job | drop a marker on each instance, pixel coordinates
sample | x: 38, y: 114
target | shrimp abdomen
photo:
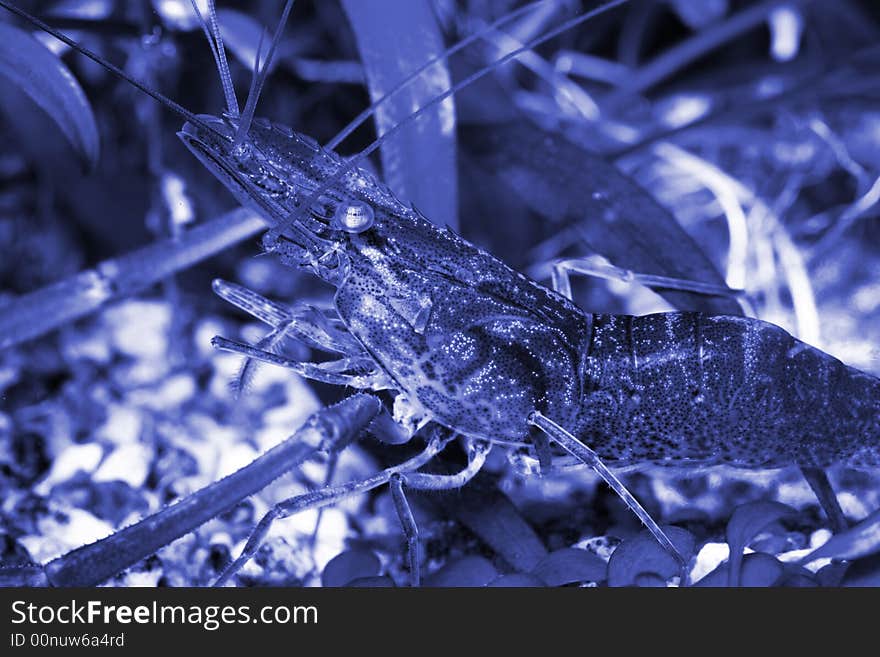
x: 679, y: 388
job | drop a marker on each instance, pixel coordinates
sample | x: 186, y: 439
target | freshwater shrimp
x: 481, y: 349
x: 476, y: 347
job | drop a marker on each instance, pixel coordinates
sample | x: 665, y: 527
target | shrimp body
x: 477, y: 346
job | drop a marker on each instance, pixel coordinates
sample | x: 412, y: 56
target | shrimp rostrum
x: 468, y: 343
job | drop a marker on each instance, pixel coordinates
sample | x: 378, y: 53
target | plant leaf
x: 53, y: 306
x: 516, y: 580
x: 757, y: 570
x: 650, y: 581
x: 467, y: 571
x: 859, y: 541
x: 395, y: 38
x: 833, y: 574
x: 697, y: 14
x: 760, y: 570
x: 642, y: 555
x: 31, y: 67
x: 795, y: 577
x: 746, y: 522
x: 179, y: 14
x: 489, y: 514
x: 570, y: 565
x: 93, y: 10
x: 350, y: 565
x: 864, y: 572
x: 614, y: 216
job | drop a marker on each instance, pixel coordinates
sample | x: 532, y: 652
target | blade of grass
x: 51, y: 307
x: 330, y: 428
x: 613, y: 216
x: 395, y: 37
x: 34, y: 69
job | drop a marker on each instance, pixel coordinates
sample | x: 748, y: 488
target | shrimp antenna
x: 261, y: 72
x: 215, y: 41
x: 464, y: 43
x: 167, y: 102
x: 296, y: 215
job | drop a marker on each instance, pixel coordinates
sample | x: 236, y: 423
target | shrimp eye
x: 354, y: 216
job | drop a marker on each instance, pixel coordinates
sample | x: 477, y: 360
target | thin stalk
x: 329, y: 429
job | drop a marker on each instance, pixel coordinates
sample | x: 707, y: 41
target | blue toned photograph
x: 439, y: 293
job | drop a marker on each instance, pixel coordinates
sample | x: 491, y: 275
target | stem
x: 329, y: 429
x: 53, y: 306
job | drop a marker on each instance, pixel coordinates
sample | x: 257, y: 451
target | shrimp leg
x: 599, y: 267
x: 587, y: 456
x: 303, y: 322
x: 818, y: 481
x: 330, y: 372
x: 327, y: 496
x: 410, y: 528
x: 477, y: 452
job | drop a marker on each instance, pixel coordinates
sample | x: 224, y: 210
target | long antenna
x: 261, y: 72
x: 488, y: 29
x: 215, y: 41
x: 296, y: 215
x: 170, y: 104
